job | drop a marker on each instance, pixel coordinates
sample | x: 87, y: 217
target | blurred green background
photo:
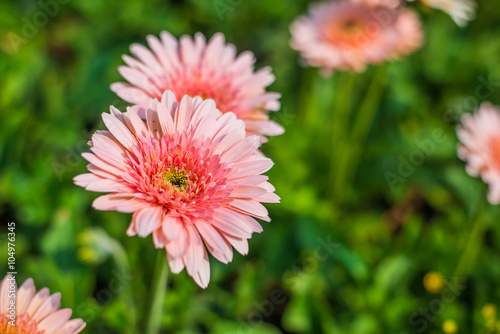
x: 420, y: 256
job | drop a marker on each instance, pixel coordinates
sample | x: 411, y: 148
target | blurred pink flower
x: 348, y: 35
x: 461, y: 11
x: 480, y: 147
x: 375, y: 3
x: 196, y: 68
x: 188, y: 173
x: 33, y: 313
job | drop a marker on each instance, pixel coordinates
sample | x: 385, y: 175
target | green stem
x: 342, y: 107
x: 308, y: 102
x: 340, y: 119
x: 473, y: 245
x: 349, y: 160
x: 158, y: 295
x: 121, y: 259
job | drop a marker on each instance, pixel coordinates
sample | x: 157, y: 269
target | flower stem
x: 473, y: 245
x: 349, y: 160
x: 340, y: 121
x: 158, y: 294
x: 308, y: 102
x: 122, y: 262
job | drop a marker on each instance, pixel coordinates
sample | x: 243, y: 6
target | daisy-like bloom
x: 189, y: 174
x: 461, y: 11
x: 375, y: 3
x: 195, y: 67
x: 480, y: 147
x: 348, y: 35
x: 27, y: 311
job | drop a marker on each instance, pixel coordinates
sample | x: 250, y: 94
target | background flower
x: 461, y: 11
x: 193, y: 67
x: 35, y: 312
x: 480, y: 147
x: 188, y: 172
x: 319, y: 267
x: 347, y: 35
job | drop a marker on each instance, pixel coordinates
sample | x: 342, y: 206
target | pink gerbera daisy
x: 348, y: 35
x: 27, y: 311
x: 189, y: 173
x: 376, y: 3
x: 480, y: 147
x: 196, y: 68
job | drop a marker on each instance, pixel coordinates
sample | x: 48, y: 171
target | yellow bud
x: 433, y: 282
x: 489, y: 310
x: 450, y: 327
x: 87, y: 255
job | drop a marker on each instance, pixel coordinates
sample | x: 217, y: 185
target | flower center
x: 176, y: 178
x: 350, y: 26
x: 177, y: 172
x: 353, y: 31
x: 495, y: 152
x: 23, y: 325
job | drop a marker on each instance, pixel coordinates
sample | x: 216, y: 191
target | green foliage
x: 348, y: 262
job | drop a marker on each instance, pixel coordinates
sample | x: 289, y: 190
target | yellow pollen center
x: 175, y: 178
x: 350, y: 32
x: 350, y: 25
x: 23, y: 325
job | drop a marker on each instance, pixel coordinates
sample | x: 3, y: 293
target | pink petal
x: 49, y: 306
x: 250, y: 207
x: 72, y: 327
x: 215, y: 242
x: 4, y: 293
x: 129, y: 93
x: 183, y: 114
x: 242, y: 149
x: 202, y: 276
x: 195, y: 252
x: 178, y: 247
x: 104, y: 186
x: 119, y: 130
x: 240, y: 244
x: 176, y: 264
x: 172, y: 227
x: 109, y: 202
x: 136, y: 124
x: 147, y: 220
x: 55, y: 321
x: 254, y: 167
x: 248, y: 192
x: 230, y: 223
x: 105, y: 165
x: 83, y: 180
x: 158, y: 239
x: 37, y: 301
x: 24, y: 295
x: 132, y: 205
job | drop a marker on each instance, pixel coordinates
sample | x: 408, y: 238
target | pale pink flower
x: 461, y: 11
x: 189, y: 173
x: 33, y: 312
x: 195, y: 67
x: 347, y: 35
x: 377, y: 3
x: 480, y: 147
